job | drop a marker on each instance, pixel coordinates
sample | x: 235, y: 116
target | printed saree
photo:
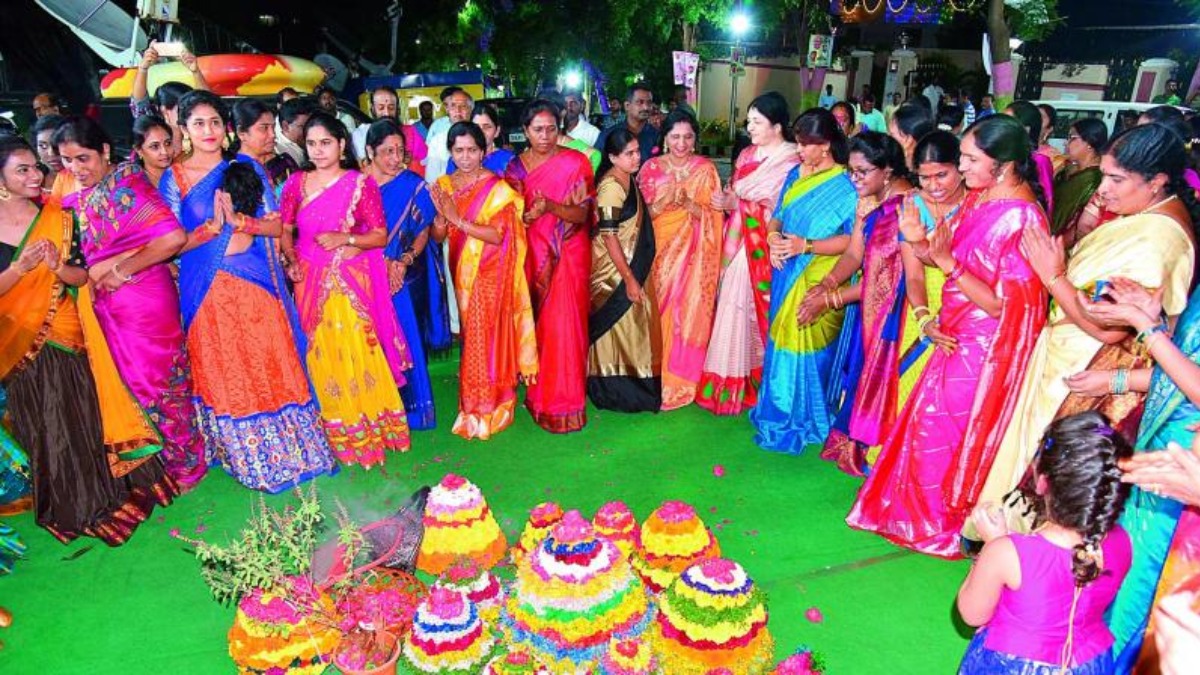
x: 254, y: 403
x: 934, y: 460
x: 733, y: 362
x: 356, y: 354
x: 557, y: 268
x: 686, y: 270
x: 140, y: 320
x: 793, y: 408
x: 499, y: 339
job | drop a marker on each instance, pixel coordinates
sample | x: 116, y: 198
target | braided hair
x: 1078, y: 459
x: 1006, y: 139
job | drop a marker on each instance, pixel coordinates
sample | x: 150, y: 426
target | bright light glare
x: 573, y: 79
x: 739, y: 23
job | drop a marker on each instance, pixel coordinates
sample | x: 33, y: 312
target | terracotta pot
x: 388, y: 668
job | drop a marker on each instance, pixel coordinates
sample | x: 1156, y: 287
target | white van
x: 1115, y: 114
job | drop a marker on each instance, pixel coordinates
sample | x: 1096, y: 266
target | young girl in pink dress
x: 1040, y: 598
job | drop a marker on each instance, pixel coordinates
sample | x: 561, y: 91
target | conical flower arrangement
x: 459, y: 524
x: 671, y: 539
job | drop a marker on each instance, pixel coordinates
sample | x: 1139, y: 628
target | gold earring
x: 5, y: 195
x: 187, y: 144
x: 225, y: 143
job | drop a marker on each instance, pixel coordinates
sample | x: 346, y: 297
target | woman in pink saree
x: 937, y: 456
x: 557, y: 186
x: 356, y: 353
x: 128, y: 234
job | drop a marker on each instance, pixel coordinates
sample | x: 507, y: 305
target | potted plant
x: 367, y: 651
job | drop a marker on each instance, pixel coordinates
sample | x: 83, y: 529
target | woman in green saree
x: 1074, y: 187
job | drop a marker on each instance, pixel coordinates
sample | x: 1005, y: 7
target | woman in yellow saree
x: 92, y: 452
x: 1078, y: 364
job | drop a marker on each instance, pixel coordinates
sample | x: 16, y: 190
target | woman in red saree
x: 481, y: 215
x: 734, y: 362
x: 678, y: 186
x: 557, y: 186
x: 91, y: 449
x: 937, y: 456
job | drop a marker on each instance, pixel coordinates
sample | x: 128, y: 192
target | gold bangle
x: 1150, y: 341
x: 838, y: 301
x: 922, y: 308
x: 1055, y: 279
x: 808, y: 246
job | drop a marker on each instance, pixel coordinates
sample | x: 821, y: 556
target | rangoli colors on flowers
x: 542, y: 519
x: 518, y: 661
x: 713, y: 617
x: 269, y: 635
x: 479, y: 585
x: 672, y: 538
x: 629, y: 657
x: 448, y: 635
x: 458, y: 523
x: 615, y: 521
x: 573, y: 595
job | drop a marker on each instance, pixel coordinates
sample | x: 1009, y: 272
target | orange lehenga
x: 499, y: 342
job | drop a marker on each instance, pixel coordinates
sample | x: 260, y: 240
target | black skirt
x: 56, y: 419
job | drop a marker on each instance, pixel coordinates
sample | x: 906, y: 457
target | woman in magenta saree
x: 128, y: 234
x: 936, y: 458
x: 356, y: 353
x: 557, y: 186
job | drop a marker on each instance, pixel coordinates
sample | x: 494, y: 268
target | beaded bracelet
x: 1160, y: 327
x: 1119, y: 382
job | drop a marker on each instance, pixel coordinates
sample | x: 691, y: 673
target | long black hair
x: 937, y: 147
x: 614, y: 144
x: 881, y: 151
x: 335, y: 128
x: 1078, y: 459
x: 1152, y: 149
x: 773, y: 106
x: 1030, y: 117
x: 168, y: 94
x: 245, y: 188
x: 1005, y: 139
x: 817, y: 126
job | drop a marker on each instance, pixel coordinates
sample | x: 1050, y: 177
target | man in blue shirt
x: 827, y: 99
x: 639, y: 103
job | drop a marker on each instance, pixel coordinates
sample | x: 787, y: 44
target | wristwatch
x: 351, y: 240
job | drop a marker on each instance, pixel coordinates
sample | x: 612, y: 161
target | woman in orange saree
x: 92, y: 452
x: 481, y: 215
x: 678, y: 186
x: 557, y: 186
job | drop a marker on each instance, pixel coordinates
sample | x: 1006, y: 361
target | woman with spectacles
x: 1077, y: 183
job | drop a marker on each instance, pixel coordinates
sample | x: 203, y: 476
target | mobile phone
x: 171, y: 49
x: 1101, y: 290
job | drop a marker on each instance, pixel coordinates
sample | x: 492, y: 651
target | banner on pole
x: 687, y: 68
x: 820, y: 51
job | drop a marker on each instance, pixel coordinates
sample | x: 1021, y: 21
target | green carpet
x: 142, y: 608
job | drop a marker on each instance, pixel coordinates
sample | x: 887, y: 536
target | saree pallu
x: 1166, y: 536
x: 1071, y: 196
x: 557, y: 268
x: 1152, y: 250
x: 793, y: 408
x: 252, y: 397
x: 409, y: 211
x: 356, y: 353
x: 140, y: 320
x: 733, y: 363
x: 1048, y: 161
x: 868, y: 403
x: 14, y: 491
x: 55, y: 409
x: 499, y: 338
x: 685, y: 273
x: 624, y: 358
x: 936, y: 457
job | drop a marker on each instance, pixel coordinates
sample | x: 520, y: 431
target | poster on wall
x: 687, y: 68
x: 820, y: 51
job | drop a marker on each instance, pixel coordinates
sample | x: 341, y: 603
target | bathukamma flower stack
x: 671, y: 539
x: 518, y: 661
x: 269, y: 634
x: 479, y: 585
x: 542, y: 519
x: 573, y: 595
x: 629, y: 657
x: 713, y: 617
x: 615, y: 521
x: 448, y: 635
x: 458, y: 523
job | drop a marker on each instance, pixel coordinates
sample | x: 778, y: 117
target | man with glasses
x: 458, y: 105
x: 639, y: 105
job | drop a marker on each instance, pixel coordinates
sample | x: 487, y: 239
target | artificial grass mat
x: 143, y: 609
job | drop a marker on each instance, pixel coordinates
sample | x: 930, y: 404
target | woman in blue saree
x: 1156, y: 524
x: 409, y: 211
x: 808, y: 231
x: 254, y: 402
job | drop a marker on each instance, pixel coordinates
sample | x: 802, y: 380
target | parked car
x: 1116, y: 115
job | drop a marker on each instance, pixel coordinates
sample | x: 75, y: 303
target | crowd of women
x: 918, y: 306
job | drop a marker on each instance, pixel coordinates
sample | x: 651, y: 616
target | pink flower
x: 174, y: 532
x: 453, y: 481
x: 814, y: 615
x: 718, y: 471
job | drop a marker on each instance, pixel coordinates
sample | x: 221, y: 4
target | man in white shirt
x: 458, y: 106
x: 577, y: 125
x: 934, y: 93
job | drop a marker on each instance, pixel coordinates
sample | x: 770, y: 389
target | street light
x: 739, y: 25
x: 573, y: 79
